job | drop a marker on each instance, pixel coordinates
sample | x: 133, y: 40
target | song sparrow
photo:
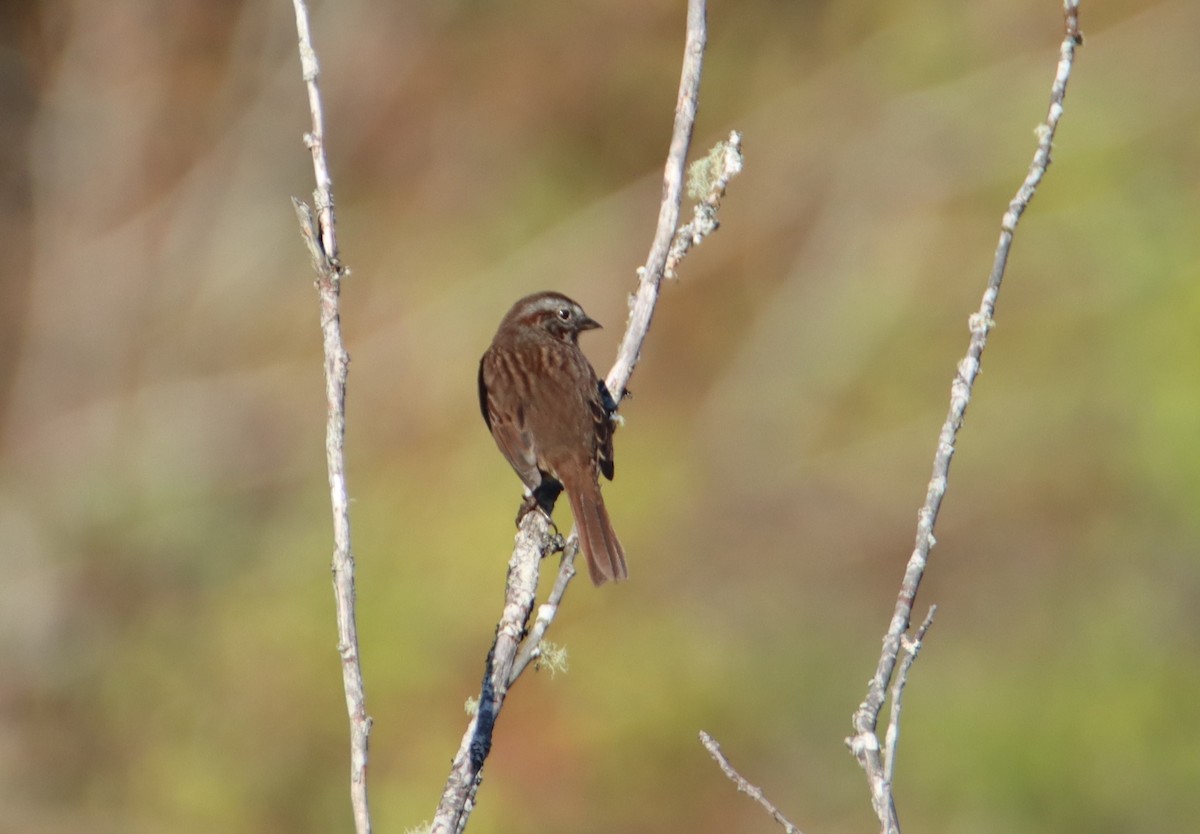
x: 552, y: 419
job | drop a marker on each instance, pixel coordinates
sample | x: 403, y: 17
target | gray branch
x: 753, y: 791
x: 319, y: 233
x: 864, y: 744
x: 650, y: 276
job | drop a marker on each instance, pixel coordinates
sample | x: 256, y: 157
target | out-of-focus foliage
x: 168, y: 658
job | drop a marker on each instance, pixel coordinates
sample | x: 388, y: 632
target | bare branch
x: 744, y: 786
x: 911, y: 649
x: 864, y: 744
x: 323, y: 195
x: 321, y: 238
x: 651, y: 275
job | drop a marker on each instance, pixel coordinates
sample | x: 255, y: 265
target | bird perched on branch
x: 553, y: 419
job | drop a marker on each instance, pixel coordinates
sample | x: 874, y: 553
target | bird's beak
x: 588, y: 323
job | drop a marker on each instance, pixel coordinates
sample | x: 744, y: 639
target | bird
x: 553, y: 419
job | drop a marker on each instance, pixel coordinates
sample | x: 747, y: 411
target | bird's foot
x: 542, y: 500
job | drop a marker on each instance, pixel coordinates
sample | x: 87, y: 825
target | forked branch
x: 876, y: 759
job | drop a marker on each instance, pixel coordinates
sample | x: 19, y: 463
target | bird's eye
x: 564, y: 313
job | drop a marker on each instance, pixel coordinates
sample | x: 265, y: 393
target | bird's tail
x: 603, y: 551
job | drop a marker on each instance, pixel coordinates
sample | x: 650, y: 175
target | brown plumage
x: 552, y: 419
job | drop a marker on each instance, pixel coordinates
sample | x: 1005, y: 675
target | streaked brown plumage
x: 552, y: 419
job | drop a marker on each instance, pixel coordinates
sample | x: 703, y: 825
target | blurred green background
x: 168, y: 656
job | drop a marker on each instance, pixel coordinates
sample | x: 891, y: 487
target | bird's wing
x: 511, y: 432
x: 604, y: 408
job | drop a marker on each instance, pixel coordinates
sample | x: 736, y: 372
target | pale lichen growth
x: 703, y: 174
x: 553, y: 657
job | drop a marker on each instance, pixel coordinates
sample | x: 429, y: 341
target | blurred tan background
x: 167, y: 660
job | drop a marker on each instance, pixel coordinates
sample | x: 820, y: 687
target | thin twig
x: 864, y: 744
x: 321, y: 238
x: 892, y: 737
x: 531, y: 649
x: 651, y: 275
x: 505, y: 663
x: 744, y: 786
